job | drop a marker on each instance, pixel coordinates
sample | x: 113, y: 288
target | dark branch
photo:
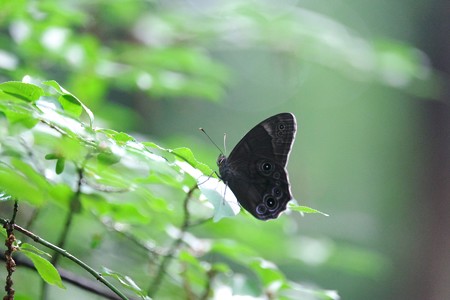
x: 74, y: 204
x: 74, y: 207
x: 208, y: 287
x: 10, y: 249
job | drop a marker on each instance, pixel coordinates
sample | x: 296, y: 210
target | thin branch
x: 74, y: 206
x: 186, y: 285
x: 92, y: 286
x: 153, y: 289
x: 66, y: 254
x: 15, y: 209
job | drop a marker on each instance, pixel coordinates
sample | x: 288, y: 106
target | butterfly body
x: 255, y: 170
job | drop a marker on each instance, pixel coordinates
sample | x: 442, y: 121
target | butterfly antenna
x: 224, y: 142
x: 203, y: 130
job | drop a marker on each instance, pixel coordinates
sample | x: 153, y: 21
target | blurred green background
x: 367, y: 81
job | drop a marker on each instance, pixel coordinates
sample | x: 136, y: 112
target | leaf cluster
x: 52, y: 155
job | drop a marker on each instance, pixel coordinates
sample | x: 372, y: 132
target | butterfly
x: 255, y: 170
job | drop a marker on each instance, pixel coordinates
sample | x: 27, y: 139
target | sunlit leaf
x: 120, y: 137
x: 184, y: 154
x: 271, y: 277
x: 19, y: 187
x: 305, y: 209
x: 108, y: 158
x: 126, y: 282
x: 17, y: 110
x: 298, y: 291
x: 221, y: 197
x: 70, y: 103
x: 187, y: 155
x: 25, y: 91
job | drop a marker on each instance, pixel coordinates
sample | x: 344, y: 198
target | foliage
x: 50, y: 156
x: 131, y: 53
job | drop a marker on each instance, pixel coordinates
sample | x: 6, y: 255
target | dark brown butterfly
x: 256, y: 171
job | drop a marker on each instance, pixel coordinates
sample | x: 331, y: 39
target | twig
x: 153, y: 289
x: 66, y: 254
x: 74, y: 206
x: 86, y: 284
x: 15, y: 209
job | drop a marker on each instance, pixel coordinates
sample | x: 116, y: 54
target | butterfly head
x: 221, y: 160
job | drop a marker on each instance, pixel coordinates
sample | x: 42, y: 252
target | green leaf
x: 70, y: 103
x: 25, y: 91
x: 126, y: 281
x: 60, y: 163
x: 31, y: 174
x: 120, y: 212
x: 120, y: 137
x: 306, y: 209
x: 19, y: 187
x: 31, y: 248
x: 3, y: 232
x: 51, y: 156
x: 221, y: 268
x: 60, y: 194
x: 18, y: 111
x: 108, y: 158
x: 187, y: 155
x: 269, y: 274
x: 298, y: 291
x: 45, y: 269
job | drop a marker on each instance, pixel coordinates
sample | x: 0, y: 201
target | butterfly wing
x: 256, y: 169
